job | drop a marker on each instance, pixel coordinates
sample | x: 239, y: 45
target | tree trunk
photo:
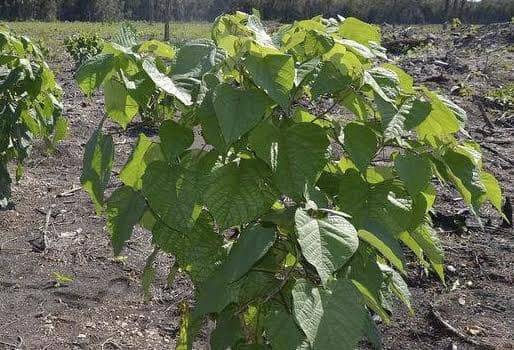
x: 167, y: 21
x: 446, y: 15
x: 462, y: 8
x: 455, y: 7
x: 167, y: 30
x: 151, y: 8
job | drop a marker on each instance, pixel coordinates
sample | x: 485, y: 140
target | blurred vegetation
x: 378, y: 11
x: 52, y: 35
x: 82, y: 47
x: 503, y: 95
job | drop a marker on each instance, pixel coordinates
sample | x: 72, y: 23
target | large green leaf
x: 140, y: 88
x: 406, y: 81
x: 256, y: 284
x: 250, y: 247
x: 222, y: 288
x: 368, y: 278
x: 415, y: 171
x: 418, y: 113
x: 238, y: 111
x: 327, y: 243
x: 459, y: 113
x: 97, y: 166
x: 228, y: 30
x: 373, y: 334
x: 163, y: 82
x: 422, y: 203
x: 196, y: 58
x: 380, y: 238
x: 93, y: 72
x: 355, y: 103
x: 198, y: 253
x: 306, y: 71
x: 362, y: 51
x: 135, y: 167
x: 353, y: 192
x: 359, y: 31
x: 211, y: 130
x: 372, y: 87
x: 119, y: 105
x: 331, y: 318
x: 361, y: 143
x: 296, y: 153
x: 429, y: 242
x: 273, y: 72
x: 493, y: 190
x: 398, y: 286
x: 314, y: 45
x: 239, y: 193
x: 393, y: 118
x: 158, y: 48
x: 330, y: 80
x: 175, y: 139
x: 255, y: 25
x: 382, y: 220
x: 174, y: 193
x: 465, y: 175
x: 384, y: 82
x: 439, y: 123
x: 126, y: 36
x: 347, y: 63
x: 281, y: 329
x: 124, y: 209
x: 228, y: 332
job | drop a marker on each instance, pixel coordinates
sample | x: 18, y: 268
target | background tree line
x: 378, y: 11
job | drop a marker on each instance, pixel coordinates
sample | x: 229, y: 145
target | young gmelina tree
x: 291, y: 221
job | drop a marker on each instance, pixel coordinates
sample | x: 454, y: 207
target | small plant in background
x: 30, y: 105
x: 120, y: 259
x: 82, y: 47
x: 462, y: 89
x: 503, y: 96
x: 420, y: 50
x: 142, y: 97
x: 45, y: 51
x: 456, y: 23
x: 62, y: 279
x: 157, y: 107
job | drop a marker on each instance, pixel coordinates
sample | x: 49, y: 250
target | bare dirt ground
x: 103, y: 308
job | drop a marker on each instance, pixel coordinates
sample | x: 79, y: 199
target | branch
x: 457, y: 332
